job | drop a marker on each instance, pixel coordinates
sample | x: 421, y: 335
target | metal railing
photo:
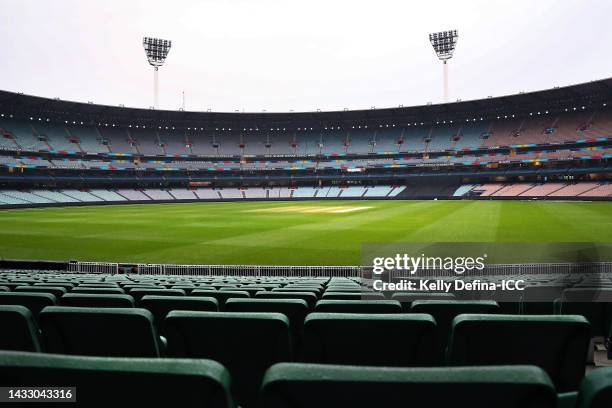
x: 332, y: 271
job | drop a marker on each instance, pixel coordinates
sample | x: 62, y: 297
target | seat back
x: 138, y: 293
x: 295, y: 310
x: 406, y: 299
x: 134, y: 382
x: 330, y: 386
x: 98, y: 290
x: 444, y: 311
x: 596, y: 389
x: 221, y: 296
x: 403, y: 340
x: 96, y: 300
x: 358, y: 306
x: 110, y: 332
x: 160, y: 306
x: 19, y: 331
x: 246, y: 343
x: 54, y: 290
x: 557, y: 344
x: 309, y: 297
x: 33, y: 301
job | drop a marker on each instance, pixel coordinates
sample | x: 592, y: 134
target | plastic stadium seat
x: 103, y: 382
x: 309, y: 297
x: 139, y: 293
x: 160, y: 306
x: 358, y: 306
x: 186, y: 288
x: 444, y: 311
x: 557, y: 344
x: 65, y: 285
x: 54, y: 290
x: 406, y: 299
x: 250, y: 290
x: 96, y: 300
x: 98, y: 290
x: 33, y: 301
x: 596, y: 389
x: 295, y: 310
x: 293, y: 385
x: 18, y: 328
x: 536, y: 299
x: 404, y: 340
x: 221, y: 296
x: 316, y: 290
x: 246, y: 343
x: 344, y: 295
x: 109, y: 332
x: 594, y: 304
x: 4, y: 289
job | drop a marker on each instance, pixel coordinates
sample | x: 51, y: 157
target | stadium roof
x: 588, y: 95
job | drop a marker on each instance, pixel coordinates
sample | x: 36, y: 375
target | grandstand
x: 551, y: 144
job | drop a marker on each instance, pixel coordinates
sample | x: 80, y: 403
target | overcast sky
x: 282, y: 55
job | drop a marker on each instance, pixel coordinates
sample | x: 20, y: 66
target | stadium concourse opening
x: 152, y: 257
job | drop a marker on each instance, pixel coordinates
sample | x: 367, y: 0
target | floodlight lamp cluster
x: 444, y: 43
x: 156, y: 50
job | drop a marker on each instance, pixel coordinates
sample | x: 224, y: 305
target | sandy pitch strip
x: 302, y: 209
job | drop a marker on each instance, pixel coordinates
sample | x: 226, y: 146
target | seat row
x: 247, y: 343
x: 103, y: 381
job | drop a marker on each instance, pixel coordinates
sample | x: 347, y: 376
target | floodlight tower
x: 157, y: 51
x: 444, y: 44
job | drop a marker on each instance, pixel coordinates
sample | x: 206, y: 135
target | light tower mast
x: 444, y: 44
x: 157, y: 51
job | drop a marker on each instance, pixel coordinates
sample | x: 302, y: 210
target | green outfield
x: 286, y: 233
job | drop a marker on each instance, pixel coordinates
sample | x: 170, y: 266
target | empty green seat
x: 342, y: 295
x: 358, y: 306
x: 309, y: 297
x: 594, y: 304
x: 295, y: 310
x: 96, y: 300
x: 246, y: 343
x: 444, y: 311
x: 557, y: 344
x: 19, y: 331
x: 65, y: 285
x: 250, y: 290
x: 406, y: 299
x: 596, y: 389
x: 33, y: 301
x: 160, y: 306
x: 109, y: 332
x: 98, y: 290
x: 139, y: 293
x: 402, y: 340
x: 293, y: 385
x: 103, y: 382
x: 54, y: 290
x: 316, y: 290
x: 221, y: 296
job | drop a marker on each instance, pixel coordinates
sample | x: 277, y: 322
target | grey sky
x: 280, y: 55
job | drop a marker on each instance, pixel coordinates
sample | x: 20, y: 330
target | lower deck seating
x: 265, y: 320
